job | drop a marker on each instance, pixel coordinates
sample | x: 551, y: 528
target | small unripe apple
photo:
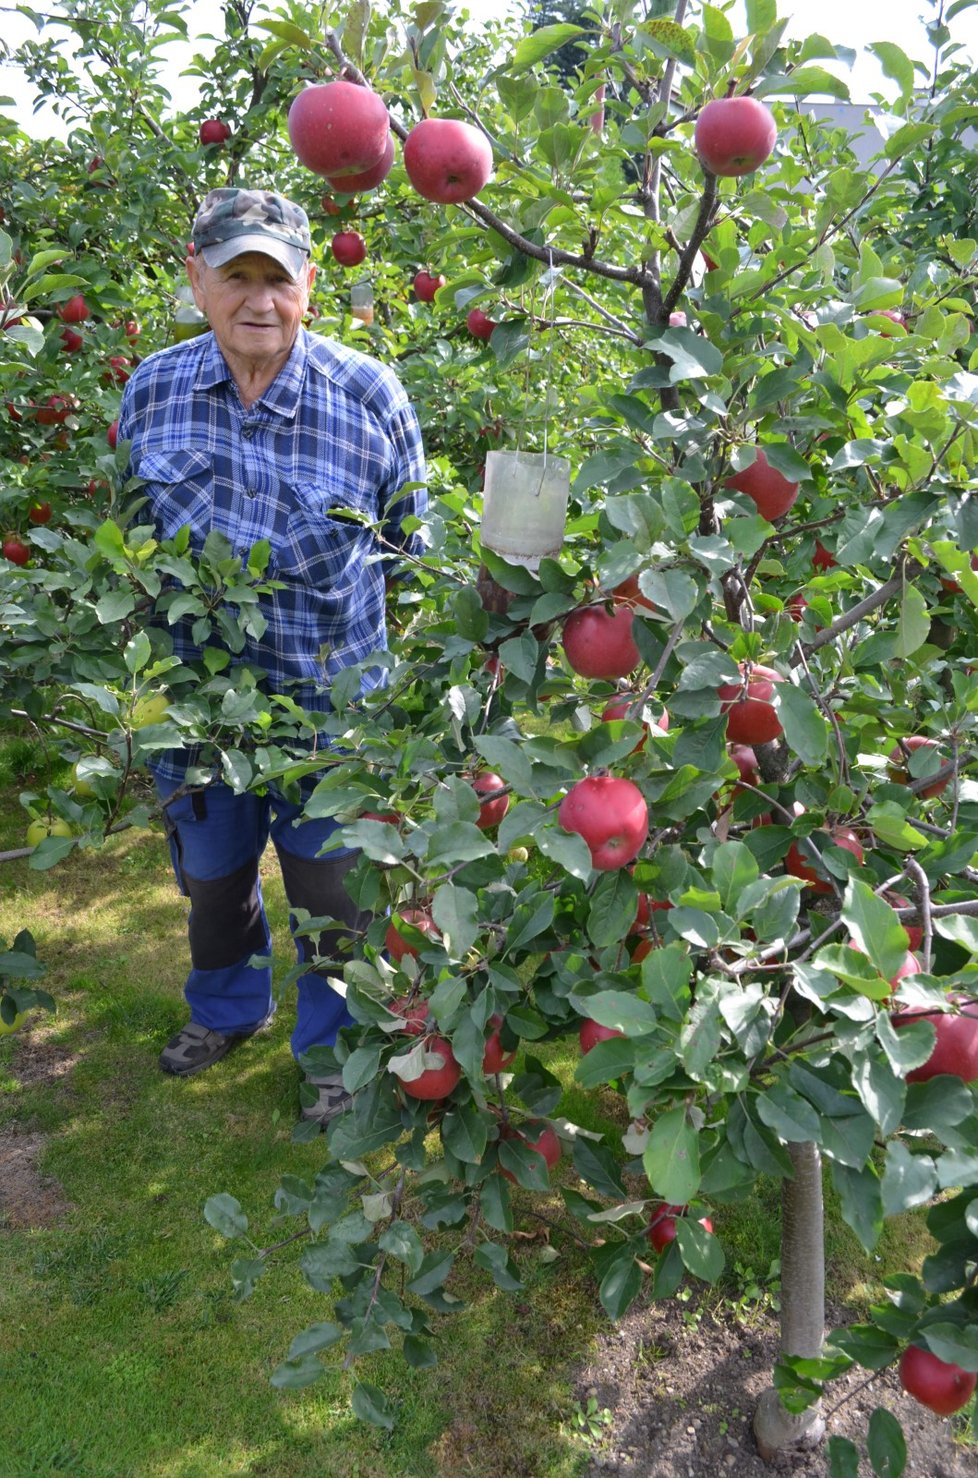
x: 47, y: 826
x: 151, y: 708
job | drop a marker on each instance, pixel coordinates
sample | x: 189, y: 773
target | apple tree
x: 747, y: 889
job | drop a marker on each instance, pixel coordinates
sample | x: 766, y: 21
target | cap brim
x: 292, y: 258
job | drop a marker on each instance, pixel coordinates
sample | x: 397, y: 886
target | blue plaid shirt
x: 335, y: 430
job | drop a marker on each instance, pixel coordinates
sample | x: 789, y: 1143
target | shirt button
x: 248, y: 431
x: 251, y: 492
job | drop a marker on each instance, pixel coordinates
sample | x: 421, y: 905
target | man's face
x: 254, y: 307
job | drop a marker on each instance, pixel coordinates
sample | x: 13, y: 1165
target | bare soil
x: 681, y: 1392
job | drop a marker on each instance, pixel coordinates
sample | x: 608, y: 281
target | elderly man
x: 260, y: 430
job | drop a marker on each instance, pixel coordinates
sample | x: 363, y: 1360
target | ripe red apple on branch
x: 214, y: 131
x: 751, y: 715
x: 956, y: 1045
x: 491, y: 812
x: 338, y: 129
x: 367, y: 179
x: 539, y: 1137
x: 591, y: 1033
x: 734, y: 136
x: 75, y: 310
x: 395, y: 943
x: 898, y: 771
x: 446, y: 160
x: 438, y: 1081
x: 496, y: 1059
x: 611, y: 815
x: 662, y: 1228
x: 426, y: 284
x: 15, y: 550
x: 800, y: 864
x: 598, y: 642
x: 349, y: 248
x: 935, y: 1383
x: 478, y: 324
x: 769, y: 489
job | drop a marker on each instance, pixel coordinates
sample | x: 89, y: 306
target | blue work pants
x: 216, y: 839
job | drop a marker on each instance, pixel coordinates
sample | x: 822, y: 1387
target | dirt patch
x: 681, y: 1398
x: 27, y: 1198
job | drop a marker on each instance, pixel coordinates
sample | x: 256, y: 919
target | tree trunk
x: 802, y: 1302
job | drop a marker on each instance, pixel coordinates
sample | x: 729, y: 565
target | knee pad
x: 226, y: 923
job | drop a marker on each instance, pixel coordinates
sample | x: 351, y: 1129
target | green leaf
x: 734, y: 867
x: 908, y: 1179
x: 597, y: 1166
x: 372, y: 1406
x: 861, y: 1201
x: 316, y: 1337
x: 620, y: 1009
x: 913, y: 623
x: 700, y: 1250
x: 886, y: 1444
x: 543, y: 43
x: 889, y: 821
x: 803, y: 82
x: 433, y: 1273
x: 805, y: 726
x: 895, y: 64
x: 620, y: 1285
x: 402, y: 1241
x: 761, y: 16
x: 614, y: 898
x: 455, y: 911
x: 790, y: 1116
x: 874, y: 927
x: 292, y: 1375
x: 843, y: 1458
x: 465, y: 1133
x: 418, y: 1353
x: 955, y: 1344
x: 671, y: 1157
x: 497, y: 1261
x: 225, y: 1215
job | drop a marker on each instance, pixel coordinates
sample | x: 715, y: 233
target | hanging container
x: 362, y: 302
x: 188, y: 321
x: 525, y: 506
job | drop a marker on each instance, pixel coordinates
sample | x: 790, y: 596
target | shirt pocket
x: 326, y: 538
x: 180, y: 487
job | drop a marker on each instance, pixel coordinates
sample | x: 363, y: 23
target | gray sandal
x: 196, y: 1047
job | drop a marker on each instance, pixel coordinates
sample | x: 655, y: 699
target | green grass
x: 122, y: 1351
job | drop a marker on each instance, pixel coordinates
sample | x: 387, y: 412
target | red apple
x: 942, y: 1387
x: 894, y: 317
x: 591, y: 1033
x: 956, y: 1046
x: 39, y: 513
x: 796, y: 606
x: 598, y: 642
x: 118, y: 369
x: 751, y: 716
x: 662, y: 1227
x: 74, y: 311
x: 800, y: 864
x: 15, y: 550
x: 55, y: 410
x: 367, y: 179
x: 733, y: 136
x: 71, y: 340
x: 619, y: 708
x: 898, y: 772
x: 131, y: 330
x: 822, y: 559
x: 435, y: 1082
x: 766, y: 486
x: 214, y: 131
x: 414, y: 1012
x: 478, y: 325
x: 338, y: 128
x: 628, y: 593
x: 495, y: 1058
x: 952, y: 585
x: 426, y: 285
x: 914, y: 932
x: 491, y: 812
x: 746, y: 761
x: 396, y: 945
x: 539, y: 1137
x: 447, y: 160
x: 349, y: 248
x: 611, y: 815
x: 112, y: 434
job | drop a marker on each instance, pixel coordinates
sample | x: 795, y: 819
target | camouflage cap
x: 232, y: 222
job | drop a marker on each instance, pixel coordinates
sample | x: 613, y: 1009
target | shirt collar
x: 282, y: 395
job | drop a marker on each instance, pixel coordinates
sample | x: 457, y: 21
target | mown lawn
x: 122, y: 1351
